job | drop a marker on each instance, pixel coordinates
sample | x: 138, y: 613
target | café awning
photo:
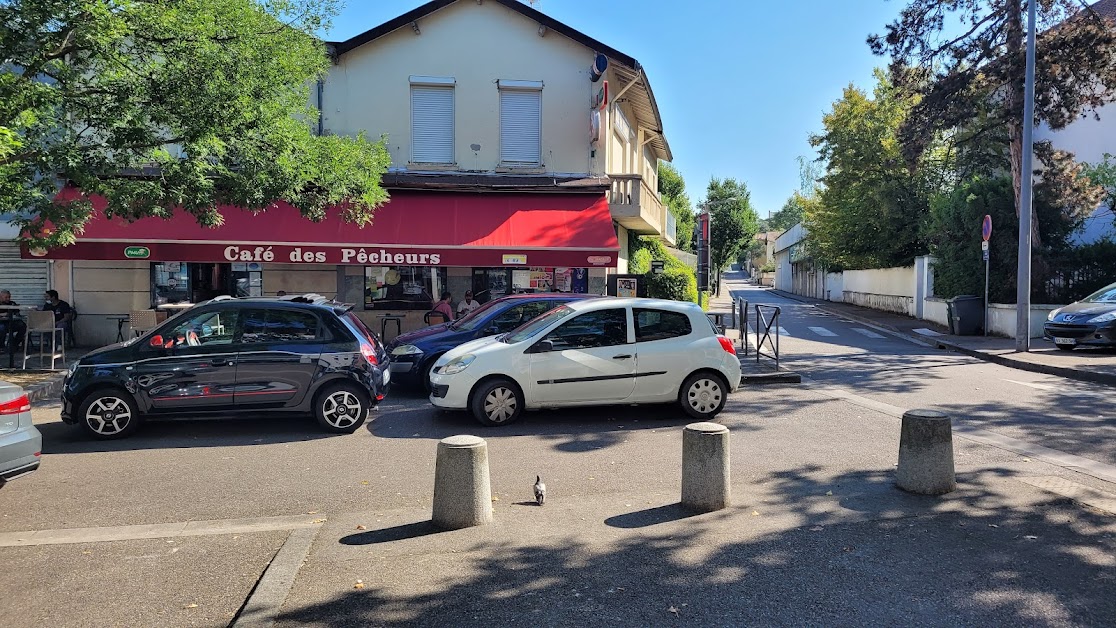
x: 415, y: 228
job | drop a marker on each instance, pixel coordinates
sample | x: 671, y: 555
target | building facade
x: 524, y: 156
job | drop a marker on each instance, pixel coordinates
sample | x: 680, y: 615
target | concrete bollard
x: 705, y: 467
x: 926, y: 453
x: 462, y: 493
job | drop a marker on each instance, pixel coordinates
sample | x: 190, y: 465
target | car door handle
x: 623, y: 356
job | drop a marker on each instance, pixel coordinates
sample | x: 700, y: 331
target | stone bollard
x: 705, y: 467
x: 462, y: 493
x: 926, y: 453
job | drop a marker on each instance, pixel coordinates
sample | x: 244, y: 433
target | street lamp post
x: 1023, y: 276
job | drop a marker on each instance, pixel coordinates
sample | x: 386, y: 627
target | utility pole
x: 1026, y: 192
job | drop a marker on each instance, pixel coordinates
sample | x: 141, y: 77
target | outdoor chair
x: 433, y: 317
x: 142, y: 321
x: 41, y: 325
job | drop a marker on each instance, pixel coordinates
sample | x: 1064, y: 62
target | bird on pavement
x: 540, y: 490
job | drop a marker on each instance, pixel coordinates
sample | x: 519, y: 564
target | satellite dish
x: 600, y: 64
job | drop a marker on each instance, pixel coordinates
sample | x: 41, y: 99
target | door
x: 279, y: 351
x: 592, y: 360
x: 196, y: 368
x: 663, y: 338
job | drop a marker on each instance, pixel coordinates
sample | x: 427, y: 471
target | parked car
x: 1090, y: 321
x: 592, y: 352
x: 297, y: 354
x: 21, y: 444
x: 413, y: 354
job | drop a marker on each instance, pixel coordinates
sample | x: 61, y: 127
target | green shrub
x: 677, y: 282
x: 640, y: 262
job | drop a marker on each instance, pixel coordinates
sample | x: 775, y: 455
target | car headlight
x: 1053, y: 314
x: 406, y: 350
x: 458, y: 364
x: 1104, y: 318
x: 73, y: 369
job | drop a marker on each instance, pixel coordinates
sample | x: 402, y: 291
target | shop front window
x: 181, y: 282
x: 170, y: 282
x: 403, y: 287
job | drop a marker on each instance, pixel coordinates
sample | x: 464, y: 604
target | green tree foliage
x: 734, y: 221
x: 871, y: 210
x: 673, y: 190
x: 1102, y: 174
x: 677, y: 282
x: 974, y: 81
x: 157, y: 105
x: 790, y: 214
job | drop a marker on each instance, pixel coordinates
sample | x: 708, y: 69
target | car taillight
x: 15, y: 406
x: 726, y: 344
x: 369, y: 353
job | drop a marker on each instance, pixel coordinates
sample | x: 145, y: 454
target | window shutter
x: 431, y: 124
x: 520, y: 127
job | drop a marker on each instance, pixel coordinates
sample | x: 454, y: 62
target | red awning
x: 413, y: 229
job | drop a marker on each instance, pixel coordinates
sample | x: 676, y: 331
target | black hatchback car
x: 413, y: 354
x: 1090, y: 321
x: 299, y: 354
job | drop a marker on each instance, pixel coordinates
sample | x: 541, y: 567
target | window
x: 279, y: 325
x: 170, y: 282
x: 517, y: 315
x: 403, y: 287
x: 432, y: 120
x: 520, y: 123
x: 206, y: 329
x: 603, y: 328
x: 660, y: 324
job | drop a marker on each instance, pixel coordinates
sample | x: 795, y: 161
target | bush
x: 677, y: 282
x: 640, y: 262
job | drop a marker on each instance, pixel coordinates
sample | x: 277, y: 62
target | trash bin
x: 966, y: 315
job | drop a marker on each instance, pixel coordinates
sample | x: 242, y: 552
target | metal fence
x: 767, y: 318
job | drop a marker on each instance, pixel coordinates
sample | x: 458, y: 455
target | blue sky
x: 741, y: 84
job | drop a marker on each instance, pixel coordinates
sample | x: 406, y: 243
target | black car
x: 299, y: 354
x: 1090, y: 321
x: 413, y: 354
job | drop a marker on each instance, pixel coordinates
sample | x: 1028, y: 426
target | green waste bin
x: 966, y: 315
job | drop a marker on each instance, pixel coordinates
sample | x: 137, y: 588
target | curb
x: 46, y: 390
x: 1045, y: 369
x: 761, y: 379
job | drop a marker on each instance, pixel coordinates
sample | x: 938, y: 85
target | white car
x: 592, y: 352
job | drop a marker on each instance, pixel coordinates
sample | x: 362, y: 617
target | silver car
x: 21, y: 445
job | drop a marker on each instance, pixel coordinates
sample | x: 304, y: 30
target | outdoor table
x: 10, y: 311
x: 120, y: 320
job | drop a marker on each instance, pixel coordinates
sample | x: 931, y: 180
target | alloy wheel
x: 705, y: 395
x: 108, y: 416
x: 500, y: 404
x: 341, y: 409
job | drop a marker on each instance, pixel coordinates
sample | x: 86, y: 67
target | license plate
x: 1065, y: 341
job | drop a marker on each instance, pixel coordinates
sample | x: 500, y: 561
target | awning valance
x: 413, y: 229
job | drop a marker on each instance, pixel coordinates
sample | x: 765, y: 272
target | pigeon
x: 540, y: 490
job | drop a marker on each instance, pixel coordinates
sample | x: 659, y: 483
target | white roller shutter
x: 431, y: 124
x: 26, y: 279
x: 520, y: 127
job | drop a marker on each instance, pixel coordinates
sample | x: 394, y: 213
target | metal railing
x: 766, y: 324
x: 740, y: 321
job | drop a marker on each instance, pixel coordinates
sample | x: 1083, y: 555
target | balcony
x: 638, y: 209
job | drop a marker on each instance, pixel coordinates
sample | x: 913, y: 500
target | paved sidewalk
x: 1096, y: 365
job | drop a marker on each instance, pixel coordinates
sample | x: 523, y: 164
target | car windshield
x: 535, y: 325
x: 475, y: 319
x: 1106, y: 294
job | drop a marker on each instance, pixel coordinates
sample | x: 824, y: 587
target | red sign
x: 986, y: 228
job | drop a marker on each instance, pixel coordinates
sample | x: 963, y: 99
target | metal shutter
x: 26, y: 279
x: 520, y: 126
x: 431, y: 124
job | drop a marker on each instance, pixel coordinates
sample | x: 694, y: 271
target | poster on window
x: 563, y: 280
x: 521, y: 280
x: 579, y: 280
x: 625, y: 287
x: 542, y: 280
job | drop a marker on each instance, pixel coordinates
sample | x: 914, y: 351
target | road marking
x: 1072, y: 462
x: 1075, y: 491
x: 1075, y: 392
x: 267, y: 598
x: 926, y: 332
x: 157, y: 531
x: 822, y: 331
x: 867, y: 332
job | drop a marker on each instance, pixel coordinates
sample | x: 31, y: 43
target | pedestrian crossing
x: 817, y: 330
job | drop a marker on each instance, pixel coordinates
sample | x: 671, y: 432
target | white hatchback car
x: 592, y: 352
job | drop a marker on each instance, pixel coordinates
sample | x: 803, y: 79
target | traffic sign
x: 986, y: 228
x: 984, y: 249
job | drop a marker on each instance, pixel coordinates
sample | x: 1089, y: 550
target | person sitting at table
x: 444, y: 306
x: 17, y: 321
x: 63, y: 313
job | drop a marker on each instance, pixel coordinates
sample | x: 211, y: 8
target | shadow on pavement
x: 650, y: 516
x: 396, y: 533
x: 866, y: 555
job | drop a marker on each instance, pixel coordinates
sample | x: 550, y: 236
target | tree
x: 871, y: 210
x: 673, y: 190
x: 734, y: 221
x: 974, y: 81
x: 189, y: 104
x: 789, y: 215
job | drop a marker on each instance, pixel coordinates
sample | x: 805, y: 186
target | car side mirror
x: 543, y: 346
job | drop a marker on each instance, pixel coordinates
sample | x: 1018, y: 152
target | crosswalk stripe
x: 866, y: 332
x: 822, y: 331
x: 926, y: 332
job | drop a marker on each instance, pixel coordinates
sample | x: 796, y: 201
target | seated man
x: 18, y: 326
x: 63, y: 313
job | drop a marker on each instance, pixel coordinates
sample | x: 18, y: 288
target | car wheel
x: 497, y: 402
x: 108, y: 413
x: 341, y: 408
x: 703, y: 395
x: 426, y: 386
x: 1066, y: 347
